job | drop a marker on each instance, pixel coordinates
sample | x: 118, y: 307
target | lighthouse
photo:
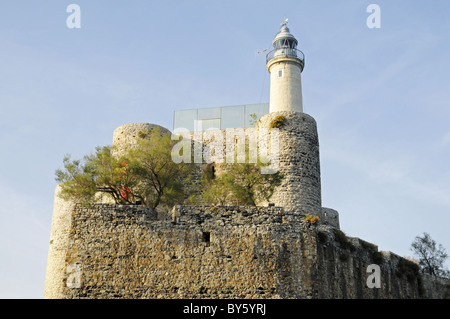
x: 285, y: 64
x: 297, y: 156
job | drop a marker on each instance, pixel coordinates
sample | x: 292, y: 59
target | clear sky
x: 380, y: 98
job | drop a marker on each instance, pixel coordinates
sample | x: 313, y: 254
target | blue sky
x: 380, y: 98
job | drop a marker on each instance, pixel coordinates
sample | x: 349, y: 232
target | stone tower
x: 285, y: 64
x: 298, y: 154
x: 126, y: 136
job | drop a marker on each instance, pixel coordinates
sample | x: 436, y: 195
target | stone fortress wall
x: 123, y: 251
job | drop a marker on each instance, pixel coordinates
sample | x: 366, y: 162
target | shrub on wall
x: 240, y: 184
x: 277, y: 121
x: 342, y: 239
x: 377, y: 257
x: 323, y: 237
x: 311, y: 219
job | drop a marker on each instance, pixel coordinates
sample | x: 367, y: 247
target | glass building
x: 221, y: 117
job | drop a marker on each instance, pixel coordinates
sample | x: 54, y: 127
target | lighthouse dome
x: 284, y: 38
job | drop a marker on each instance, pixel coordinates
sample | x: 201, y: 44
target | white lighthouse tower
x: 285, y: 64
x: 297, y: 155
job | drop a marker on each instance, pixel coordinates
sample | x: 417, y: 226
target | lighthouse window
x: 280, y: 73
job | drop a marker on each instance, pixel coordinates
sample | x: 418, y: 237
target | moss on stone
x: 277, y: 121
x: 377, y: 257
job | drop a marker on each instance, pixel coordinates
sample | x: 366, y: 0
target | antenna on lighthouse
x: 258, y: 52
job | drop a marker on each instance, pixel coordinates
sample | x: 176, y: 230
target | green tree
x: 161, y: 180
x: 431, y: 255
x: 146, y: 173
x: 97, y: 173
x: 213, y: 188
x: 241, y: 184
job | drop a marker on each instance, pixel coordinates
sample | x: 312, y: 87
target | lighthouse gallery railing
x: 285, y: 52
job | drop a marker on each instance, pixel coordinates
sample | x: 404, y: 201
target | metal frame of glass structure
x: 221, y: 117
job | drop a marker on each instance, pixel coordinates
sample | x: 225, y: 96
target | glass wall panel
x: 258, y: 109
x: 233, y: 116
x: 209, y: 113
x: 185, y: 119
x: 203, y: 125
x: 219, y: 117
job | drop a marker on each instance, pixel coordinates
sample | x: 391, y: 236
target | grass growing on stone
x: 323, y: 237
x: 311, y: 219
x: 367, y: 245
x: 408, y: 268
x: 342, y: 239
x: 277, y: 121
x: 344, y: 256
x: 377, y: 257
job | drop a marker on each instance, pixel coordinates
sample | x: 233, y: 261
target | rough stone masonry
x: 219, y: 252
